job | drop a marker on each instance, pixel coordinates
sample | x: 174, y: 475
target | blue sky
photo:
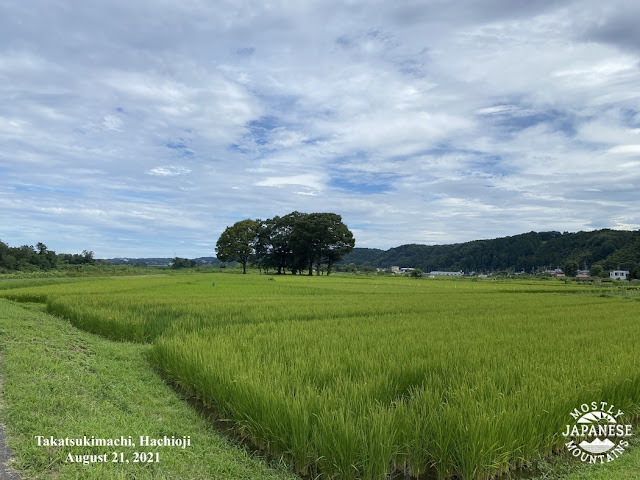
x: 145, y: 128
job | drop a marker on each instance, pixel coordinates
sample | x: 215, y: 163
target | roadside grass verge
x: 65, y: 383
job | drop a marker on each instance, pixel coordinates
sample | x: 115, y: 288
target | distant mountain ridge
x: 529, y: 252
x: 157, y: 261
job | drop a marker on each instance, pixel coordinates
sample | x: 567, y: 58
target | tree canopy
x: 294, y: 242
x: 238, y: 242
x: 570, y: 268
x: 179, y: 262
x: 28, y: 258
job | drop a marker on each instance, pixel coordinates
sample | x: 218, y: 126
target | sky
x: 144, y: 128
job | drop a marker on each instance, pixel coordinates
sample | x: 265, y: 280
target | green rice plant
x: 484, y: 392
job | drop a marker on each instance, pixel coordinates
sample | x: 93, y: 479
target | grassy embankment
x: 62, y: 382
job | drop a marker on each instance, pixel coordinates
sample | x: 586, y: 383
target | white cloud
x: 111, y: 122
x: 307, y: 180
x: 474, y: 121
x: 626, y: 149
x: 496, y: 109
x: 168, y: 171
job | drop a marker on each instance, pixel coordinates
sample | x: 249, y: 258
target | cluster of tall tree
x: 294, y: 242
x: 533, y: 251
x: 30, y: 258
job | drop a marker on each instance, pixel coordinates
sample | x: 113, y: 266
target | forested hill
x: 530, y: 251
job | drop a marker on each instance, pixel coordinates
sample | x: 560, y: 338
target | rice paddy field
x: 361, y: 377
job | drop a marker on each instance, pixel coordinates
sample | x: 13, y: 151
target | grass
x: 62, y: 382
x: 346, y: 377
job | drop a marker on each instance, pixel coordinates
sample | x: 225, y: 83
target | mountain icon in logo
x: 597, y: 446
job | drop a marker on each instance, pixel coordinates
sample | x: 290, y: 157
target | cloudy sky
x: 144, y: 128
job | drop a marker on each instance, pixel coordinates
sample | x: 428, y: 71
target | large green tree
x: 596, y: 271
x: 296, y: 242
x: 274, y: 248
x: 238, y: 242
x: 321, y: 237
x: 570, y: 268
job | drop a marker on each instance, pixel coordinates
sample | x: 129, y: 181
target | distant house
x: 583, y: 275
x: 399, y: 270
x: 619, y: 274
x: 555, y: 272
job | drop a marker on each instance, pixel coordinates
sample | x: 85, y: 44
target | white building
x: 401, y: 270
x: 619, y: 274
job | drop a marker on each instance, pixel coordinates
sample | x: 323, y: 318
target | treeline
x: 158, y: 261
x: 179, y: 262
x: 295, y: 242
x: 28, y: 258
x: 532, y: 252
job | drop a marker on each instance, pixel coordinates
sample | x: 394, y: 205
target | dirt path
x: 6, y: 472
